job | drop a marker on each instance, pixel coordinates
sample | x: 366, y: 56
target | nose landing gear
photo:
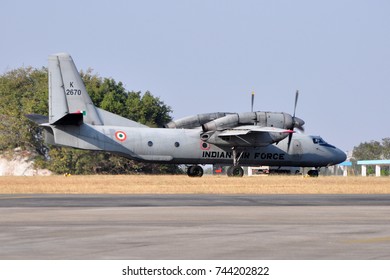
x: 313, y: 172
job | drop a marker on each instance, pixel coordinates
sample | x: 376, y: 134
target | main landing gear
x: 195, y: 171
x: 233, y: 171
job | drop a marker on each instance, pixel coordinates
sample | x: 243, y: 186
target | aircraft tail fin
x: 69, y: 102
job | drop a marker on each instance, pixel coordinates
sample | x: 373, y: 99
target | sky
x: 201, y: 56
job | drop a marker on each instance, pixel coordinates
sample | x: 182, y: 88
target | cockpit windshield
x: 319, y: 141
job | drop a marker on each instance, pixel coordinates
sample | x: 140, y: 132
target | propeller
x: 253, y: 101
x: 296, y: 122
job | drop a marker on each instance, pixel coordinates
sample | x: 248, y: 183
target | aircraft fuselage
x: 184, y: 146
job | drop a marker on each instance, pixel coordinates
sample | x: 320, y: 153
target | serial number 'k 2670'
x: 73, y: 92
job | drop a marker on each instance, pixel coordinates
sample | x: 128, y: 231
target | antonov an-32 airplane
x: 236, y: 139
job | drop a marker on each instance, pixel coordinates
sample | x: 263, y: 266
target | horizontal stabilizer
x: 70, y: 119
x: 39, y: 119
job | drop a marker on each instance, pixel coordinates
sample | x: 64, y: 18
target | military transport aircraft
x: 236, y: 139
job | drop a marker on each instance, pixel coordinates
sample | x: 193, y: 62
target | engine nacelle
x: 274, y: 119
x: 221, y: 123
x: 195, y: 121
x: 264, y: 119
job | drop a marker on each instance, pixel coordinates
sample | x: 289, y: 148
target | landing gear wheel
x: 313, y: 173
x: 195, y: 171
x: 235, y: 171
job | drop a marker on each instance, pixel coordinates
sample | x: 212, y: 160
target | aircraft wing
x: 242, y: 130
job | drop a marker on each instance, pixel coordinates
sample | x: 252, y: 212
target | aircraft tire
x: 313, y: 173
x: 195, y: 171
x: 235, y: 171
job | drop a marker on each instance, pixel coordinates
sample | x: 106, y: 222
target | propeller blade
x: 289, y: 142
x: 296, y: 122
x: 253, y: 101
x: 296, y: 101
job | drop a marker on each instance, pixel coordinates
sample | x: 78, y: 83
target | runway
x: 194, y: 227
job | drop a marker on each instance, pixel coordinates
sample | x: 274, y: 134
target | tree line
x: 25, y: 91
x: 372, y: 150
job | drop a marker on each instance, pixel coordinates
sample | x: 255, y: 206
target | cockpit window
x: 318, y: 140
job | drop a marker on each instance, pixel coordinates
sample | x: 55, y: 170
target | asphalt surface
x: 177, y: 200
x: 194, y: 227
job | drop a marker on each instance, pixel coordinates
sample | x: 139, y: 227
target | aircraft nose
x: 339, y: 156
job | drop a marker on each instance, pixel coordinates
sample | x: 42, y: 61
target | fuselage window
x: 150, y: 143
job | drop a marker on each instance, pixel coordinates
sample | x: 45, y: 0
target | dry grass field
x: 142, y: 184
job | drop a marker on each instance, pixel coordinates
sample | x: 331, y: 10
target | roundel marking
x: 120, y: 135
